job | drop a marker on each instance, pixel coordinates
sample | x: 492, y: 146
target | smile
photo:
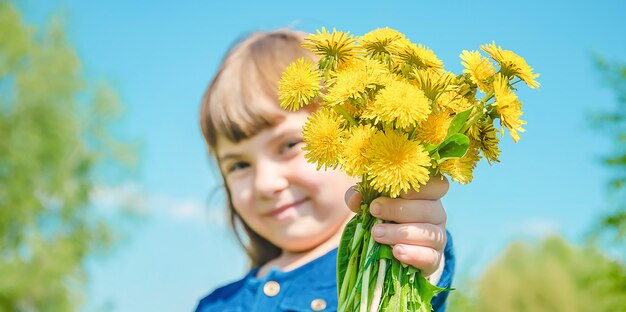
x: 283, y: 211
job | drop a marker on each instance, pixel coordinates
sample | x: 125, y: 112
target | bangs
x: 236, y: 104
x: 242, y: 99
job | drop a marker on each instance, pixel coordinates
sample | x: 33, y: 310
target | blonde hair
x: 230, y: 109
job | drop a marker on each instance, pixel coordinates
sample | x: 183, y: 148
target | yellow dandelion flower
x: 353, y: 109
x: 401, y: 103
x: 474, y: 130
x: 484, y: 135
x: 335, y: 48
x: 323, y: 134
x: 349, y: 63
x: 461, y: 169
x: 479, y: 68
x: 434, y: 129
x: 353, y: 81
x: 398, y: 164
x: 453, y: 101
x: 299, y: 84
x: 488, y: 143
x: 355, y: 149
x: 464, y: 86
x: 512, y: 64
x: 376, y: 41
x: 508, y: 107
x: 407, y: 54
x: 431, y: 82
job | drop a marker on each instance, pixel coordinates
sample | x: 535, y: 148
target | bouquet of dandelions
x: 392, y: 115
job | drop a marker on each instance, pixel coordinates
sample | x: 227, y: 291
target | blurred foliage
x: 554, y: 275
x: 55, y: 144
x: 550, y: 276
x: 612, y: 123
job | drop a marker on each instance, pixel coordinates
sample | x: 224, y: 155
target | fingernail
x: 349, y: 193
x: 375, y: 209
x: 378, y: 231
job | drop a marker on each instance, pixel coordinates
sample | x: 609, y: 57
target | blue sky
x: 160, y: 55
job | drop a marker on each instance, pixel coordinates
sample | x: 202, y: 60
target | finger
x: 417, y: 234
x: 436, y: 188
x: 353, y: 198
x: 409, y: 210
x: 424, y: 258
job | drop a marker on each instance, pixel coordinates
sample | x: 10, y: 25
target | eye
x: 238, y: 165
x: 291, y: 145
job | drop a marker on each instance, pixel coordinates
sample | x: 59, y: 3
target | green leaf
x: 426, y: 292
x: 343, y: 253
x: 453, y: 147
x: 458, y: 122
x: 430, y: 147
x: 385, y: 252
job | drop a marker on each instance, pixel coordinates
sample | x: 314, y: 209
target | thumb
x: 353, y: 198
x: 435, y: 189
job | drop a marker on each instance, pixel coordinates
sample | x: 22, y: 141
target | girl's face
x: 278, y: 193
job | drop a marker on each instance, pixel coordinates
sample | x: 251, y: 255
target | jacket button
x: 318, y: 304
x: 271, y: 288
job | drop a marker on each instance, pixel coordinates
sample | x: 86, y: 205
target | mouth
x: 279, y: 211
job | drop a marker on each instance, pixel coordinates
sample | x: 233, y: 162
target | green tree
x: 612, y: 122
x: 55, y: 145
x: 551, y: 276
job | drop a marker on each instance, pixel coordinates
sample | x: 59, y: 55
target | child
x: 292, y: 215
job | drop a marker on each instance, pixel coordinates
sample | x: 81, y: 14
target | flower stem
x: 347, y: 278
x: 478, y: 113
x: 345, y: 114
x: 378, y: 289
x: 365, y: 280
x: 487, y: 97
x: 412, y: 133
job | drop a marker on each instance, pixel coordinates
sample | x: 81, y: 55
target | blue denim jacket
x: 311, y: 287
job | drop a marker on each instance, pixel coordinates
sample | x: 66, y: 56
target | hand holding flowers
x: 391, y: 114
x: 415, y: 227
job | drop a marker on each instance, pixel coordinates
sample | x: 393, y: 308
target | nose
x: 270, y: 178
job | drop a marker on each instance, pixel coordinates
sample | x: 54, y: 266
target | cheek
x: 339, y: 179
x: 240, y: 196
x: 243, y: 205
x: 332, y: 185
x: 331, y: 176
